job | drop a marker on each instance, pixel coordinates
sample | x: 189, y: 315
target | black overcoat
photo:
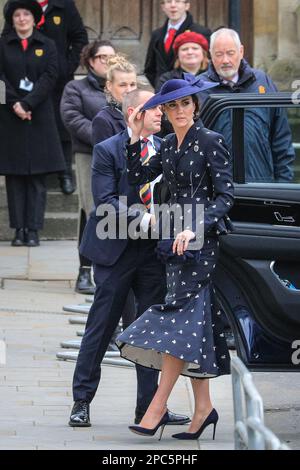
x: 29, y: 147
x: 64, y: 25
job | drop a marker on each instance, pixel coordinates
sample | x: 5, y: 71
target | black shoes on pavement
x: 19, y: 239
x: 24, y: 237
x: 173, y: 419
x: 32, y: 238
x: 80, y: 415
x: 84, y: 284
x: 66, y: 184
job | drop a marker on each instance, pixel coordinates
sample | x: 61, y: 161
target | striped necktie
x: 145, y: 190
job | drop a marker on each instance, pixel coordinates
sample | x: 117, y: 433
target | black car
x: 258, y: 276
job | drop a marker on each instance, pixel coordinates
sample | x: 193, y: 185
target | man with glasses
x: 160, y: 56
x: 268, y: 139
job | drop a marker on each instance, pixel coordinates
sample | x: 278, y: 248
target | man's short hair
x: 231, y: 32
x: 131, y: 100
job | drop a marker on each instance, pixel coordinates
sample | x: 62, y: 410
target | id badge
x: 26, y: 84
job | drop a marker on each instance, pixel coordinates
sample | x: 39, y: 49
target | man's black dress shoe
x: 174, y: 419
x: 66, y: 184
x: 32, y: 238
x: 84, y: 283
x: 19, y: 239
x: 80, y: 415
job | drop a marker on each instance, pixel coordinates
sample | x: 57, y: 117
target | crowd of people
x: 162, y: 289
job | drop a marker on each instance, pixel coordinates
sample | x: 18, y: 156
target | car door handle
x: 281, y: 218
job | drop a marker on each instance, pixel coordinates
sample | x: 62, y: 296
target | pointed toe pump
x: 151, y: 432
x: 212, y: 418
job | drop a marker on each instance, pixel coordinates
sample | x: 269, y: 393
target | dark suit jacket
x: 108, y: 122
x: 109, y: 182
x: 157, y: 60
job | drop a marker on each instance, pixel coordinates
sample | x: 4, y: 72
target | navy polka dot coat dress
x: 189, y: 325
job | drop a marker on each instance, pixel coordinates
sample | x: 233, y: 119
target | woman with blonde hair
x: 121, y: 79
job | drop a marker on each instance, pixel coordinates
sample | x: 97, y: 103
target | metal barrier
x: 250, y: 431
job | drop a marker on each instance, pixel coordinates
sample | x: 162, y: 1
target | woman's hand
x: 136, y: 123
x: 21, y: 113
x: 182, y: 242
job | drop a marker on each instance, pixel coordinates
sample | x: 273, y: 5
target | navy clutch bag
x: 165, y: 254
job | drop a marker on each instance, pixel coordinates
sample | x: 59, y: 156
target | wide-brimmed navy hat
x: 32, y: 5
x: 179, y: 88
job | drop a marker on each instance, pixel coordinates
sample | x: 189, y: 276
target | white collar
x: 150, y: 137
x: 177, y: 25
x: 234, y: 80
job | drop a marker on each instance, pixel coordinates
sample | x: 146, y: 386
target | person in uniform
x: 29, y: 141
x: 62, y: 23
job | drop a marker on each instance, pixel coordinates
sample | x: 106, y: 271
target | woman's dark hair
x: 197, y: 106
x: 91, y: 49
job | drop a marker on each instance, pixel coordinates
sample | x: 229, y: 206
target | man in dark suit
x: 119, y: 265
x: 160, y: 56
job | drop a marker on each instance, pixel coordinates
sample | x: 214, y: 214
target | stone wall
x: 277, y: 39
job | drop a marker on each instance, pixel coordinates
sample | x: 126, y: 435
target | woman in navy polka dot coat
x: 184, y: 336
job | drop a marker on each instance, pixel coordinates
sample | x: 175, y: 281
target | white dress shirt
x: 145, y: 223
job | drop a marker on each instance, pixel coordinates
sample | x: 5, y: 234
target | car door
x: 258, y: 275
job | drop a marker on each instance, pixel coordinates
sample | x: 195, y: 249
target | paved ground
x: 35, y: 388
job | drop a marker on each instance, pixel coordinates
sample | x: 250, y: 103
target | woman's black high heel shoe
x: 212, y: 418
x: 150, y: 432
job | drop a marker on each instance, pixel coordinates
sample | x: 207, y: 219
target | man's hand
x: 182, y: 242
x: 21, y: 113
x: 136, y: 123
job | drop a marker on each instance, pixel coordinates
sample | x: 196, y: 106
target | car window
x: 268, y: 143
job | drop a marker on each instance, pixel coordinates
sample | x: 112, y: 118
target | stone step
x: 53, y: 181
x: 77, y: 308
x: 58, y: 202
x: 58, y: 226
x: 60, y: 219
x: 78, y: 320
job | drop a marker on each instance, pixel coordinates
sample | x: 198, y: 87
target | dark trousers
x: 26, y: 197
x: 82, y: 223
x: 137, y: 269
x: 68, y: 154
x: 129, y: 310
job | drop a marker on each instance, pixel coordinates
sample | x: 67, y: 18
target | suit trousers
x: 138, y: 269
x: 26, y: 197
x: 83, y: 163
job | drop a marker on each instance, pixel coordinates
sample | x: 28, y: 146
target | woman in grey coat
x: 81, y: 101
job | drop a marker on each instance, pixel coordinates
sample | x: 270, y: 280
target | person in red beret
x: 191, y: 53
